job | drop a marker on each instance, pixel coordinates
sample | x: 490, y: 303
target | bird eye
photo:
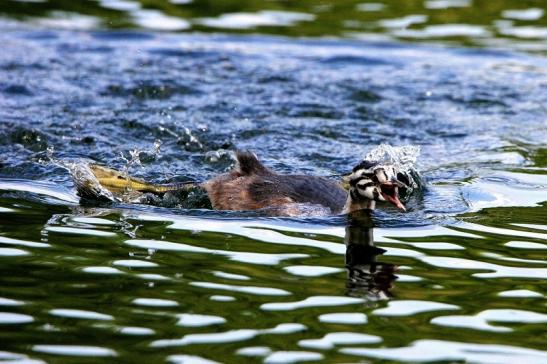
x: 364, y: 187
x: 403, y: 178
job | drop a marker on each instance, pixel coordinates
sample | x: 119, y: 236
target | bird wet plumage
x: 252, y: 186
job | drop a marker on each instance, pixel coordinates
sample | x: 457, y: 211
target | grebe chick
x: 252, y: 186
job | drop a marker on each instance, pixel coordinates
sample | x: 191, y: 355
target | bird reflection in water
x: 366, y: 276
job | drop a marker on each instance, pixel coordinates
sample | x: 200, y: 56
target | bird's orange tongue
x: 389, y: 193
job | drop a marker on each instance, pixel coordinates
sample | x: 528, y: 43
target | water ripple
x: 263, y: 291
x: 133, y: 263
x: 10, y: 252
x: 311, y: 271
x: 78, y: 231
x: 9, y: 318
x: 439, y: 350
x: 228, y: 336
x: 498, y: 270
x: 480, y: 320
x: 75, y: 350
x: 154, y: 302
x: 80, y: 314
x: 412, y: 307
x: 520, y: 293
x: 9, y: 302
x: 315, y: 301
x: 333, y: 339
x: 245, y: 257
x: 30, y: 244
x: 195, y: 320
x: 351, y: 318
x: 279, y: 357
x: 186, y: 359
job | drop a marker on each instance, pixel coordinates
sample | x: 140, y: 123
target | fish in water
x: 252, y: 186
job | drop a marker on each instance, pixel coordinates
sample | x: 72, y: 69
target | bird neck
x: 353, y: 205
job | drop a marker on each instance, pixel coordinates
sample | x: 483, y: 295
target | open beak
x: 390, y: 193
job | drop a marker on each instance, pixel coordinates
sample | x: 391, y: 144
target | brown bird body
x: 252, y: 186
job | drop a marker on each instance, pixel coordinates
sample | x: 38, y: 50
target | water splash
x: 186, y: 139
x: 403, y: 158
x: 87, y: 185
x: 135, y: 156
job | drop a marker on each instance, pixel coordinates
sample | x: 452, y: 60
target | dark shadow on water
x: 366, y: 276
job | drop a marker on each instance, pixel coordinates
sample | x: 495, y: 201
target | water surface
x: 459, y: 277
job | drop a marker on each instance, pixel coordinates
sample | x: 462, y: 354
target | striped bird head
x: 372, y: 181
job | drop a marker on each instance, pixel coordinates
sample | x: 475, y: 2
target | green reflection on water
x: 515, y: 23
x: 55, y: 277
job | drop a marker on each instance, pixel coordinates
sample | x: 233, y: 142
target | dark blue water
x: 303, y: 106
